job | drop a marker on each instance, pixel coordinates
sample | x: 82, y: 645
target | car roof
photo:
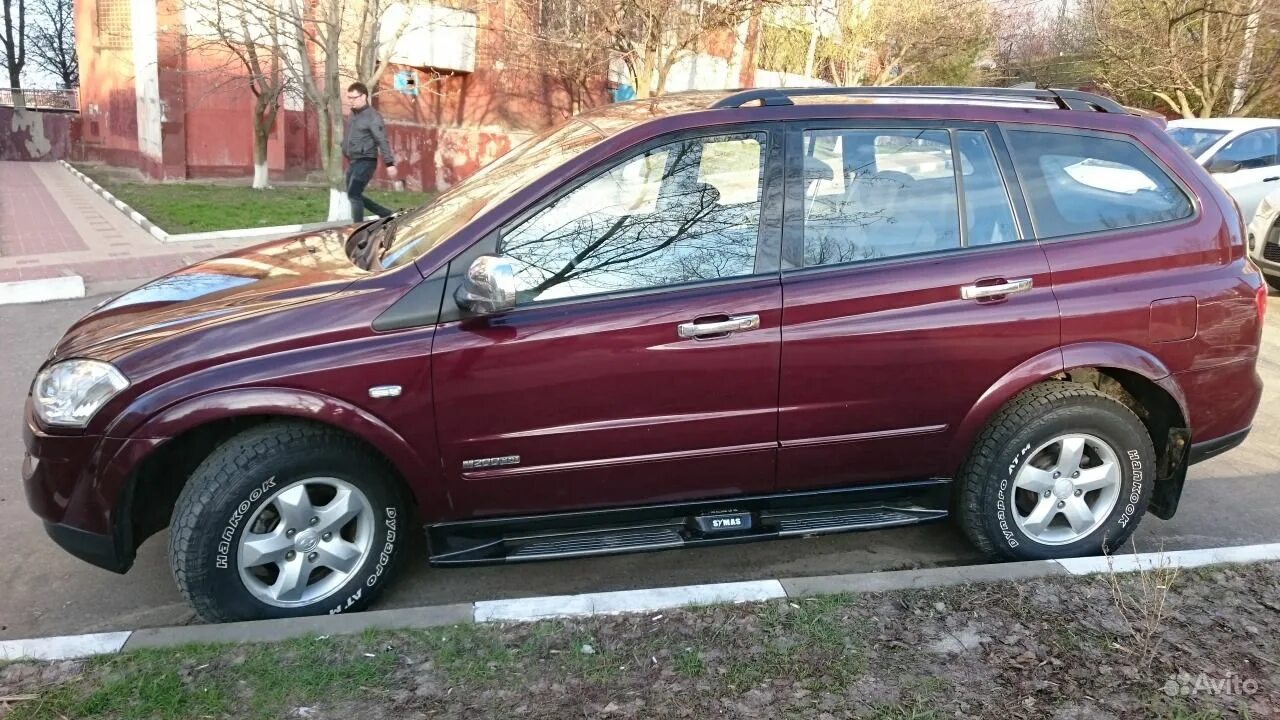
x: 1229, y: 124
x: 1066, y: 107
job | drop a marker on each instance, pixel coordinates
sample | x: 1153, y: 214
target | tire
x: 1273, y: 281
x: 1002, y: 486
x: 256, y: 482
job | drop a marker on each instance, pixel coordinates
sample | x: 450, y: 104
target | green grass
x: 209, y: 681
x: 198, y: 207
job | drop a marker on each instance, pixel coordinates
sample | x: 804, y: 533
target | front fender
x: 421, y: 476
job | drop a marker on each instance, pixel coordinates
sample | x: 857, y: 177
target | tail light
x: 1262, y: 302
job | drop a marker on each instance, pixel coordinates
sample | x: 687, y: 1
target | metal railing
x: 33, y: 99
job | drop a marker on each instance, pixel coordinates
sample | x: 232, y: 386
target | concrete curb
x: 263, y: 233
x: 62, y: 287
x: 613, y: 603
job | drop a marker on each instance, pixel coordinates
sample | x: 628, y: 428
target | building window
x: 561, y: 18
x: 113, y: 23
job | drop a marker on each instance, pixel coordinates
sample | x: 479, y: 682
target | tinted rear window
x: 1085, y: 183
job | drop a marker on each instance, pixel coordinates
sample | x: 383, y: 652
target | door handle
x: 735, y: 323
x: 1271, y: 179
x: 983, y: 292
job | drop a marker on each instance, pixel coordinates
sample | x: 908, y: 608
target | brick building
x: 459, y: 94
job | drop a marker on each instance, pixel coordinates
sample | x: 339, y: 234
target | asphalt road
x: 1231, y: 500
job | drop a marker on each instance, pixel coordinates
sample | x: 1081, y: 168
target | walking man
x: 366, y: 137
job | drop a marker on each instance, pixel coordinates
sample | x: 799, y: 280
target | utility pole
x: 1246, y: 59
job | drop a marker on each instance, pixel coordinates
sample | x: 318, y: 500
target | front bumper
x: 1264, y: 241
x: 101, y: 550
x: 69, y: 486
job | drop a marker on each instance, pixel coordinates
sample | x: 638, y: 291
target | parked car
x: 1242, y: 153
x: 705, y: 318
x: 1264, y: 239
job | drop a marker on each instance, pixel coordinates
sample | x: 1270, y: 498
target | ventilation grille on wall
x: 113, y: 24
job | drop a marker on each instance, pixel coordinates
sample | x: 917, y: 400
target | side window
x: 873, y: 194
x: 988, y: 216
x: 679, y: 213
x: 1085, y: 183
x: 1256, y: 149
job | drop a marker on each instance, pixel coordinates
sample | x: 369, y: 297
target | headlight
x: 69, y: 393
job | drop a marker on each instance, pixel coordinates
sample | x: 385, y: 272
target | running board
x: 530, y: 539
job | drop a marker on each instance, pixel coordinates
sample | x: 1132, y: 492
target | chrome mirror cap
x: 488, y: 287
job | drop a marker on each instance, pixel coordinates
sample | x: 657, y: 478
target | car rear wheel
x: 286, y: 519
x: 1062, y: 471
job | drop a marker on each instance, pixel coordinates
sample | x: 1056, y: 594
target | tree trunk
x: 811, y: 56
x: 331, y: 159
x: 15, y: 82
x: 261, y: 180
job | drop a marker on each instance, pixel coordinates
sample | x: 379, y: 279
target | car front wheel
x: 1063, y: 470
x: 287, y: 519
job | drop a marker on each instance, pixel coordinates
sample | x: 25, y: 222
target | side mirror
x: 488, y: 287
x: 1222, y: 166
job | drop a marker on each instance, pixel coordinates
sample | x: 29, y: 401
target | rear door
x: 910, y: 288
x: 640, y: 364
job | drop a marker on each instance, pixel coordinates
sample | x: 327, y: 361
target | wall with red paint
x: 108, y: 106
x: 31, y: 135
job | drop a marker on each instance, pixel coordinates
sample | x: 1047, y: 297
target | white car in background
x: 1243, y: 154
x: 1264, y: 239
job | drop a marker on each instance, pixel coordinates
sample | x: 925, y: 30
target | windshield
x: 417, y: 231
x: 1195, y: 140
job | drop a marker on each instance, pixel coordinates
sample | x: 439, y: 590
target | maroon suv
x: 707, y: 318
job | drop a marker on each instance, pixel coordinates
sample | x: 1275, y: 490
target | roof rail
x: 1066, y: 99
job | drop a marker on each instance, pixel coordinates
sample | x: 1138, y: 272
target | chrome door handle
x: 736, y: 323
x: 982, y: 292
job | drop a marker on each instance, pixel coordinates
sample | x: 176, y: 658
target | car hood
x: 253, y: 281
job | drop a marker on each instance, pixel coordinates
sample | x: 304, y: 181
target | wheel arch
x: 155, y: 466
x: 1131, y: 375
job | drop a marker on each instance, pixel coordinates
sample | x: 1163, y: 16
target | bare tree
x: 1187, y: 54
x: 251, y: 43
x: 1047, y: 49
x: 326, y: 45
x: 892, y: 42
x: 651, y: 36
x: 13, y: 46
x: 560, y: 39
x: 52, y: 40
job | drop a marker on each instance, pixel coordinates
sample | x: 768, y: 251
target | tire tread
x: 1031, y: 404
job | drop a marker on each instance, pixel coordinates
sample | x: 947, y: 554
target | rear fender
x: 1054, y: 362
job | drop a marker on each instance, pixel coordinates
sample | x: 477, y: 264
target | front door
x: 640, y: 364
x: 1256, y: 157
x: 911, y: 288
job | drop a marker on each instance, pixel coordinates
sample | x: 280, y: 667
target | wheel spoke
x: 1097, y: 478
x: 1034, y: 479
x: 264, y: 548
x: 295, y: 507
x: 1078, y: 514
x: 1040, y: 517
x: 292, y: 581
x: 341, y: 509
x: 1069, y: 457
x: 338, y: 555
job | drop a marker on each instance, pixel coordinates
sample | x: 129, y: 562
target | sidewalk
x: 53, y: 225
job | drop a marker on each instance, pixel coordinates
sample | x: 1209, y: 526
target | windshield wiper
x: 365, y: 250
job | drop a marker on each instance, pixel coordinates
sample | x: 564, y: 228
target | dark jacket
x: 366, y: 136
